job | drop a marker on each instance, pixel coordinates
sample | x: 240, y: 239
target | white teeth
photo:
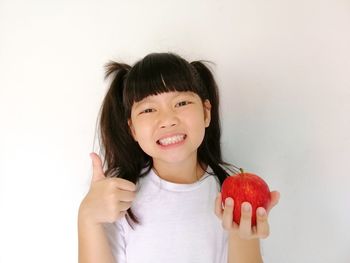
x: 171, y: 140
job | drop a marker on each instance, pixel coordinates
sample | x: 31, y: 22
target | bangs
x: 158, y: 73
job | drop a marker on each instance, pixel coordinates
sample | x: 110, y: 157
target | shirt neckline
x: 175, y: 186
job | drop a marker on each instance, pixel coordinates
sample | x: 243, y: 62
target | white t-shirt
x: 178, y: 224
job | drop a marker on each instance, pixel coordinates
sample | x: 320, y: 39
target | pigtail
x: 112, y: 120
x: 209, y: 151
x: 118, y: 144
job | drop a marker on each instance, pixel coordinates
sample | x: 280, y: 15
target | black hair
x: 156, y: 73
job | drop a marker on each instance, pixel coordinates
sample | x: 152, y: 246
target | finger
x: 98, y: 173
x: 123, y: 206
x: 126, y: 196
x: 263, y: 229
x: 275, y: 197
x: 227, y: 217
x: 218, y: 206
x: 245, y: 224
x: 124, y: 184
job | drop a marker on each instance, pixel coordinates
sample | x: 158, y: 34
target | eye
x: 147, y: 111
x: 183, y: 103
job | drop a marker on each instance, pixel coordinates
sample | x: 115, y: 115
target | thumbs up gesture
x: 108, y: 198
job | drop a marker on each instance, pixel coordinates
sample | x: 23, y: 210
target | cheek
x: 197, y: 118
x: 196, y: 125
x: 144, y: 140
x: 143, y: 133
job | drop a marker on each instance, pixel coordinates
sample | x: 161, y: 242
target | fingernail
x: 261, y: 212
x: 246, y: 207
x: 229, y: 202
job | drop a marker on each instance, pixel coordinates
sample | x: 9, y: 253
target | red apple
x: 246, y: 187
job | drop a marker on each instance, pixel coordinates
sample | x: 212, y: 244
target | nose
x: 168, y: 119
x: 171, y: 125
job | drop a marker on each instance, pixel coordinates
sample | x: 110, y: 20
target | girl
x: 159, y: 198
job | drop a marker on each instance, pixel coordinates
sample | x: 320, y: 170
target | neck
x: 186, y: 172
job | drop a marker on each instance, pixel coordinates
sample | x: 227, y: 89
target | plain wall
x: 283, y: 70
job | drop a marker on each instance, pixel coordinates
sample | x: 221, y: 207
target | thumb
x: 275, y: 197
x: 97, y: 173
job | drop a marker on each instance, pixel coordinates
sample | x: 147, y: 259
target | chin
x: 175, y: 158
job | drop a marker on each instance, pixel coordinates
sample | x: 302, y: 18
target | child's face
x: 170, y: 126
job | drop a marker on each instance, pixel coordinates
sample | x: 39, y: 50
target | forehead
x: 165, y: 96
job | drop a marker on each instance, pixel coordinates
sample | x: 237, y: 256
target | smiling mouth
x: 171, y: 140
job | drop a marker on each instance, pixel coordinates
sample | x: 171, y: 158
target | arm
x: 243, y: 251
x: 107, y: 200
x: 93, y: 243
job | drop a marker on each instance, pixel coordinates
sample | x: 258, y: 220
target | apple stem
x: 242, y: 171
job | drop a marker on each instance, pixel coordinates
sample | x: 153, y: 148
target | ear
x: 207, y: 112
x: 132, y: 129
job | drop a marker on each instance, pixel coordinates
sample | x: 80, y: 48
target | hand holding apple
x: 245, y: 190
x: 246, y: 187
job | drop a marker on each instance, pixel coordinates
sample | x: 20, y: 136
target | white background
x: 283, y: 68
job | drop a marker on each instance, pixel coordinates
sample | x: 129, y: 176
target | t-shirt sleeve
x: 116, y: 238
